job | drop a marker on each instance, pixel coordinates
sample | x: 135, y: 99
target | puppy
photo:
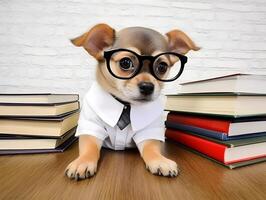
x: 122, y: 108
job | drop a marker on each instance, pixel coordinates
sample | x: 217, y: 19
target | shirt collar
x: 109, y: 109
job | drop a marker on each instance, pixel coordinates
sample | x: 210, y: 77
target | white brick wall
x: 36, y: 55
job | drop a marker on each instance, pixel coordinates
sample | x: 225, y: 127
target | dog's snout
x: 146, y: 88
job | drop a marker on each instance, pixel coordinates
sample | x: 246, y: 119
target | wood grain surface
x: 122, y: 175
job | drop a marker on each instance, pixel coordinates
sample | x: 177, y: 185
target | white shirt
x: 101, y: 111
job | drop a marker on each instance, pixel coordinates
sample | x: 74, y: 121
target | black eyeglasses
x: 125, y: 64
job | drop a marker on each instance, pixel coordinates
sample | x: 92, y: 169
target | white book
x: 224, y: 104
x: 45, y: 98
x: 233, y: 83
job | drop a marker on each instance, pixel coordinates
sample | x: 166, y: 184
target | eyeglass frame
x: 108, y: 54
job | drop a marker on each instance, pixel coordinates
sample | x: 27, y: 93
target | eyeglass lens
x: 125, y: 64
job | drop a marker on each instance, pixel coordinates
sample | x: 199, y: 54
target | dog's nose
x: 146, y: 88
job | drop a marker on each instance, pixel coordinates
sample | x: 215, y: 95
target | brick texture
x: 36, y: 55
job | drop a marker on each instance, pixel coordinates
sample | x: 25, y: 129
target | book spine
x: 210, y: 133
x: 209, y: 148
x: 197, y: 130
x: 201, y: 122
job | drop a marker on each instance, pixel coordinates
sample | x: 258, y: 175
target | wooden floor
x: 122, y: 175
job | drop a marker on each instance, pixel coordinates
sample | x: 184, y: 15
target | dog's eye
x: 162, y: 67
x: 126, y: 64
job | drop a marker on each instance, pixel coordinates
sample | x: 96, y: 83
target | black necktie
x: 124, y: 119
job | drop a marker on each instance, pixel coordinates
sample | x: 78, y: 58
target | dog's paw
x: 163, y: 167
x: 81, y: 169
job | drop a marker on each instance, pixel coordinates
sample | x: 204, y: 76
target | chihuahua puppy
x: 123, y: 108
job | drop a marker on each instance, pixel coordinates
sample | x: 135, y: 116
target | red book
x: 231, y: 127
x: 227, y: 153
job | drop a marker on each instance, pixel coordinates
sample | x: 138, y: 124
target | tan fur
x: 151, y: 150
x: 107, y: 82
x: 96, y: 39
x: 143, y: 41
x: 86, y: 164
x: 178, y: 41
x: 155, y: 162
x: 146, y: 77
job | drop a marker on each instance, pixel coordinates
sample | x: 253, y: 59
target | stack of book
x: 37, y: 123
x: 223, y: 118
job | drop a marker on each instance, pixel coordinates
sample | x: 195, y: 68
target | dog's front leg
x: 85, y: 165
x: 156, y: 163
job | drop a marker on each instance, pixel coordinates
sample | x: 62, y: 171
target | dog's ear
x: 95, y: 40
x: 179, y: 42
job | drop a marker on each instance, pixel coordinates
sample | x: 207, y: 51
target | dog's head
x: 132, y: 63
